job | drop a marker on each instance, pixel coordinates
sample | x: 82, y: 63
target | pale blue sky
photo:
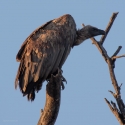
x: 82, y: 101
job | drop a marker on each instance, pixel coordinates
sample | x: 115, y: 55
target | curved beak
x: 102, y: 32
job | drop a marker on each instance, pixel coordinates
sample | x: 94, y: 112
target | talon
x: 61, y: 70
x: 62, y: 85
x: 64, y: 80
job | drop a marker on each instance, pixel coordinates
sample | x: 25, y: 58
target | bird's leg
x: 62, y: 86
x: 62, y: 78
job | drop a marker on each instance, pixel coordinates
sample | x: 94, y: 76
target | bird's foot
x: 59, y: 71
x: 64, y: 80
x: 62, y: 84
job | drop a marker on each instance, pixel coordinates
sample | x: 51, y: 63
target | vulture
x: 46, y: 50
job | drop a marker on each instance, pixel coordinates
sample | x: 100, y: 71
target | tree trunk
x: 53, y: 96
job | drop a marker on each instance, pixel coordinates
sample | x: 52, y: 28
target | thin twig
x: 113, y: 93
x: 120, y: 85
x: 112, y: 109
x: 115, y: 57
x: 117, y: 51
x: 108, y: 27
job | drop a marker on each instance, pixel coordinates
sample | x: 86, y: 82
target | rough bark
x: 53, y: 96
x: 119, y: 109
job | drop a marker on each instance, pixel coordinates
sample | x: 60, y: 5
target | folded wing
x: 43, y: 52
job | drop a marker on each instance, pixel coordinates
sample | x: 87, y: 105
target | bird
x: 46, y: 50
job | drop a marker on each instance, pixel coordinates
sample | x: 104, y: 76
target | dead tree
x: 119, y: 109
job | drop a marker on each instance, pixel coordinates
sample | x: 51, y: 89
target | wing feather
x: 65, y: 55
x: 58, y: 59
x: 19, y: 54
x: 43, y: 52
x: 39, y: 59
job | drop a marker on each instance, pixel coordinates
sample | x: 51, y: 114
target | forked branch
x: 119, y: 111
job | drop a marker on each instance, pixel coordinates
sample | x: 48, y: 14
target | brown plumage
x: 46, y: 50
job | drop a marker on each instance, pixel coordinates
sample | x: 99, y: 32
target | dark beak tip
x: 103, y: 32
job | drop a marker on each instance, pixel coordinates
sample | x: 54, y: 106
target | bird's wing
x: 19, y: 54
x: 39, y: 56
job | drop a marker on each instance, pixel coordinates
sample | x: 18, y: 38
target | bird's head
x: 87, y: 32
x: 92, y: 31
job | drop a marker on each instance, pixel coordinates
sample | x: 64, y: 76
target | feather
x: 45, y: 50
x: 42, y: 53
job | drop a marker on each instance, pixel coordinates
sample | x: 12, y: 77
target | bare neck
x: 81, y: 36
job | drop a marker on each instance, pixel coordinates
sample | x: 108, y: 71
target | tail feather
x: 31, y: 95
x: 26, y: 82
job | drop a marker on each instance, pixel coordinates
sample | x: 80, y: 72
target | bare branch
x: 120, y: 114
x: 53, y: 95
x: 115, y: 112
x: 120, y: 85
x: 109, y: 61
x: 113, y: 93
x: 114, y: 15
x: 117, y: 51
x: 111, y: 108
x: 100, y: 48
x: 114, y: 106
x: 115, y: 57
